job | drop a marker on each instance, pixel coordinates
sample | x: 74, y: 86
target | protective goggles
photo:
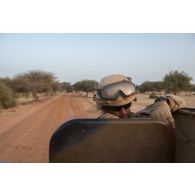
x: 114, y: 90
x: 117, y: 108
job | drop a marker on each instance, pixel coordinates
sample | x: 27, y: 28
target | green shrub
x: 7, y: 98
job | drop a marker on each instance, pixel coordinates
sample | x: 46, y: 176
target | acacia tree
x: 7, y: 81
x: 67, y: 87
x: 34, y: 82
x: 177, y: 81
x: 151, y: 86
x: 21, y: 85
x: 85, y: 85
x: 7, y: 98
x: 39, y: 81
x: 56, y: 86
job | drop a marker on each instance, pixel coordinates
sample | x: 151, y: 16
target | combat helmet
x: 115, y: 90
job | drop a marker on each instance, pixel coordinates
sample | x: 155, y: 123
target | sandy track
x: 25, y: 136
x: 25, y: 132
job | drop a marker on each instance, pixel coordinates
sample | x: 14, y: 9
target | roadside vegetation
x: 7, y: 97
x: 174, y: 82
x: 85, y: 86
x: 27, y: 85
x: 35, y: 84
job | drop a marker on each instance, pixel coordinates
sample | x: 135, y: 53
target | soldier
x: 115, y: 94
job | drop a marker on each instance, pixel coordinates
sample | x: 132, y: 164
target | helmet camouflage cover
x: 115, y: 90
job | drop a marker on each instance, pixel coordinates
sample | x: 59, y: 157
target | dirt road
x: 25, y: 133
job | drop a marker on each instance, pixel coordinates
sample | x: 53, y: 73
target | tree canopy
x: 34, y: 82
x: 85, y: 85
x: 176, y: 81
x: 6, y: 97
x: 151, y: 86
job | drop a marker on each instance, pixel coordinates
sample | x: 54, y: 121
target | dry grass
x: 23, y: 100
x: 190, y: 100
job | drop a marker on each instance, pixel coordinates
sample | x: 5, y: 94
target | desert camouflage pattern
x: 159, y: 110
x: 108, y: 80
x: 120, y: 100
x: 176, y: 102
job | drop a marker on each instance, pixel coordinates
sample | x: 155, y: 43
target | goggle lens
x: 114, y: 90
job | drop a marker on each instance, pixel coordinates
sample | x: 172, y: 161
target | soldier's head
x: 115, y: 94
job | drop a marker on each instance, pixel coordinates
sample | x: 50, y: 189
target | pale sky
x: 74, y: 57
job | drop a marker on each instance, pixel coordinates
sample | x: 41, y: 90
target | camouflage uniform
x: 160, y: 110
